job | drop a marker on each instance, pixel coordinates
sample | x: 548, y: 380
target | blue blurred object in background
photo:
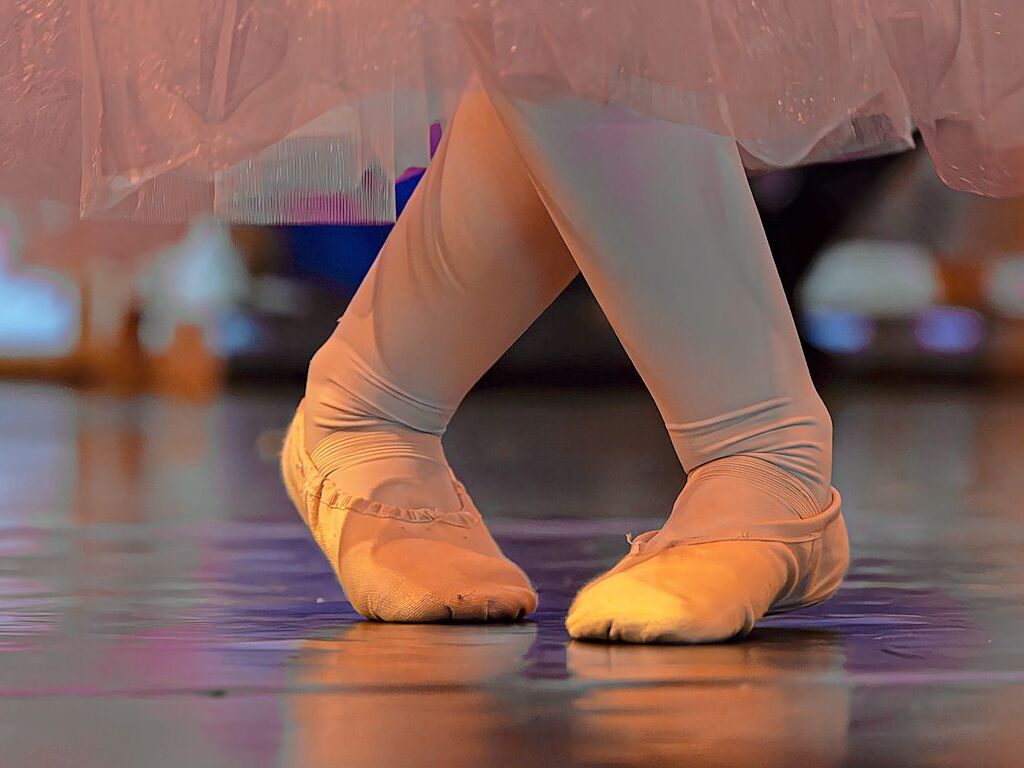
x: 341, y: 254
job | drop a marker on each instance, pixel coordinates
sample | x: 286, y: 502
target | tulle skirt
x: 270, y: 111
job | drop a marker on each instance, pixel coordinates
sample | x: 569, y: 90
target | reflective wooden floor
x: 161, y: 605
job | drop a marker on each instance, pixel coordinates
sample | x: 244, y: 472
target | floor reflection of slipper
x: 403, y: 695
x: 770, y: 701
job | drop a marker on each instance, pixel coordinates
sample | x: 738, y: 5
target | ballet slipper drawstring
x: 636, y: 543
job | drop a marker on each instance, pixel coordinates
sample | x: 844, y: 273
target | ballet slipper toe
x: 409, y: 580
x: 679, y: 596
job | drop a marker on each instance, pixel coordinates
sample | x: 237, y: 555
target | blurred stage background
x: 890, y: 274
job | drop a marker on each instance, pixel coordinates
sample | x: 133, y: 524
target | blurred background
x: 891, y: 275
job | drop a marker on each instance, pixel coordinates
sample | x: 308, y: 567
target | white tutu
x: 308, y: 110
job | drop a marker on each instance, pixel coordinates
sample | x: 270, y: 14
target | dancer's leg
x: 472, y: 262
x: 660, y: 219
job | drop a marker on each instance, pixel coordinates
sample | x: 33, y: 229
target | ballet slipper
x: 699, y: 583
x: 403, y: 565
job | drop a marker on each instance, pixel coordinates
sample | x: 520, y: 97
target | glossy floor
x: 161, y: 605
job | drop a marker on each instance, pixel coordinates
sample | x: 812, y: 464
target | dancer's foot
x: 426, y: 563
x: 744, y: 540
